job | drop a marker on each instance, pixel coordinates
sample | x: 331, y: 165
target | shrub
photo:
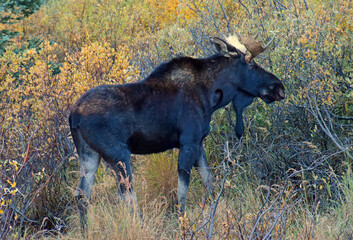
x: 36, y: 144
x: 291, y: 160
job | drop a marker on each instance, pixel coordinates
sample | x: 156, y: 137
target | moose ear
x: 223, y: 47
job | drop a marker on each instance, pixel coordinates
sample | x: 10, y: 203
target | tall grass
x: 110, y: 218
x: 156, y: 177
x: 244, y: 212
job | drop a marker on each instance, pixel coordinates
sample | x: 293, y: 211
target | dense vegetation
x: 289, y: 177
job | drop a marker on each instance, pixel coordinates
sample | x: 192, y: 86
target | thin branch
x: 320, y: 120
x: 225, y: 17
x: 215, y: 204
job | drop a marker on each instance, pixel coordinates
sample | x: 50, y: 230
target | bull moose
x: 171, y: 108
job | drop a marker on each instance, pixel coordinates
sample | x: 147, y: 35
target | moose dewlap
x: 171, y: 108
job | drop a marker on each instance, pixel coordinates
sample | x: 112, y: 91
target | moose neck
x: 226, y: 89
x: 225, y: 83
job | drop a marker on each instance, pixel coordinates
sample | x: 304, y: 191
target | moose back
x: 171, y: 108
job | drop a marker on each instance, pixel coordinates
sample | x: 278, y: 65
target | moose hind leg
x: 124, y: 182
x: 118, y: 157
x: 187, y: 158
x: 89, y: 161
x: 122, y: 169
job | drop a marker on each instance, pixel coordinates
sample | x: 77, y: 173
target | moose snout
x: 280, y: 94
x: 272, y: 93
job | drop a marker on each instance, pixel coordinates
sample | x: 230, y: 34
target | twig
x: 215, y: 204
x: 225, y: 17
x: 341, y: 117
x: 259, y: 216
x: 251, y: 16
x: 27, y: 152
x: 315, y: 111
x: 213, y: 23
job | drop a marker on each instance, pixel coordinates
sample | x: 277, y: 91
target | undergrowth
x: 289, y: 177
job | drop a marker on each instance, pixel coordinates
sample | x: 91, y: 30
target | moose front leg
x: 187, y: 157
x: 204, y: 170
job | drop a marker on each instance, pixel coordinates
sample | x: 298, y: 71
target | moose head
x: 250, y: 79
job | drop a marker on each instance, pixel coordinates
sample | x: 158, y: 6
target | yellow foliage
x: 38, y: 92
x: 168, y: 12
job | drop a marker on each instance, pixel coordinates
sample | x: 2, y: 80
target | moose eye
x: 253, y: 66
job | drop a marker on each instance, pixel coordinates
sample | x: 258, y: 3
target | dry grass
x: 157, y: 177
x: 110, y: 218
x: 243, y: 212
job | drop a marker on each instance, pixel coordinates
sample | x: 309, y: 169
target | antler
x: 253, y: 46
